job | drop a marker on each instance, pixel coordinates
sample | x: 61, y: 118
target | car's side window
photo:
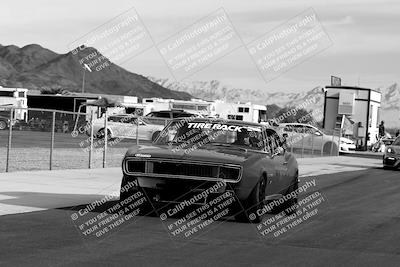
x: 309, y: 130
x: 298, y: 128
x: 165, y: 115
x: 288, y: 128
x: 273, y: 140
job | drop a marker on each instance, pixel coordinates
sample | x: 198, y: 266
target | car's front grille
x: 186, y: 169
x: 167, y: 168
x: 136, y: 166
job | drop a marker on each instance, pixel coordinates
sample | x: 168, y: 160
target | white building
x: 360, y: 105
x: 239, y: 111
x: 17, y: 98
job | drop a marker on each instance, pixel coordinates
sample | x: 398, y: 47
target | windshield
x: 199, y: 134
x: 397, y: 141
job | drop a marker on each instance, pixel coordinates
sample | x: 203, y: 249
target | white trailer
x: 15, y: 98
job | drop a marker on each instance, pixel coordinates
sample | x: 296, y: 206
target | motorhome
x: 14, y: 98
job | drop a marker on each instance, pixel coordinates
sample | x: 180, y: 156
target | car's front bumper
x: 347, y: 148
x: 390, y: 160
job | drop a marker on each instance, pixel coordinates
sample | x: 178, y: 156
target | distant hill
x: 35, y: 67
x: 212, y: 90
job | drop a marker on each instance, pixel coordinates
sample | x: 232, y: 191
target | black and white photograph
x: 200, y: 133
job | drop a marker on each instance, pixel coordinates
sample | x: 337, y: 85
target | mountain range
x: 212, y: 90
x: 35, y: 67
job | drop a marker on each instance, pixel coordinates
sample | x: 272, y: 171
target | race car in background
x: 187, y: 157
x: 391, y: 157
x: 309, y: 137
x: 125, y: 126
x: 161, y: 117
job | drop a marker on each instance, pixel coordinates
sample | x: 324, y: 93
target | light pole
x: 85, y: 67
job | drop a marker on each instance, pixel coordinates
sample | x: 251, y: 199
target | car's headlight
x: 390, y: 150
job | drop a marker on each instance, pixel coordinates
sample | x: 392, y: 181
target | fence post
x: 137, y: 131
x: 105, y: 139
x: 9, y: 139
x: 53, y: 122
x: 312, y: 144
x: 302, y: 142
x: 322, y: 145
x: 291, y: 144
x: 340, y: 135
x: 91, y: 139
x: 333, y: 139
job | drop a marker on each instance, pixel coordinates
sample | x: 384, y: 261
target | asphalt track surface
x: 358, y: 225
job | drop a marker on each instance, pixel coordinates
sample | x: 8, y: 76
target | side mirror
x: 318, y: 133
x: 155, y: 136
x: 279, y: 151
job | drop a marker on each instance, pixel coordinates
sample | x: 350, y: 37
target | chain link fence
x: 51, y: 140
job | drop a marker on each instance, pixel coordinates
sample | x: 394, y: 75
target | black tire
x: 3, y: 125
x: 100, y: 134
x: 144, y: 209
x: 290, y: 206
x: 328, y: 148
x: 254, y: 202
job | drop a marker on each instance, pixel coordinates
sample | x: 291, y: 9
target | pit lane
x: 359, y: 226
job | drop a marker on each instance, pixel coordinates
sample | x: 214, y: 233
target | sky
x: 365, y: 36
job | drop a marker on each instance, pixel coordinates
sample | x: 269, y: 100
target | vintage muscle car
x: 190, y: 155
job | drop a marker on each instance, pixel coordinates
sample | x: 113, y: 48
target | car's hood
x: 346, y: 140
x: 209, y: 153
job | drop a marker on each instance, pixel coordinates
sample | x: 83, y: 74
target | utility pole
x: 85, y: 67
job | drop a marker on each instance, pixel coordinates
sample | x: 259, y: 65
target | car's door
x: 116, y: 127
x: 297, y: 137
x: 314, y: 139
x: 280, y: 164
x: 145, y: 130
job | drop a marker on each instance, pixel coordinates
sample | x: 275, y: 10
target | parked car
x: 125, y: 126
x: 391, y: 157
x: 189, y: 157
x: 309, y: 137
x: 163, y: 116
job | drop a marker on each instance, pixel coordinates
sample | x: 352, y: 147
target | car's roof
x: 294, y: 123
x: 123, y: 115
x: 170, y: 111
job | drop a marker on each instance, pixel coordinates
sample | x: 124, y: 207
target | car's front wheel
x: 255, y: 203
x: 127, y: 191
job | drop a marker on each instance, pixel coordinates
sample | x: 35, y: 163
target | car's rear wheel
x: 254, y: 203
x: 330, y: 149
x: 3, y: 125
x: 100, y: 134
